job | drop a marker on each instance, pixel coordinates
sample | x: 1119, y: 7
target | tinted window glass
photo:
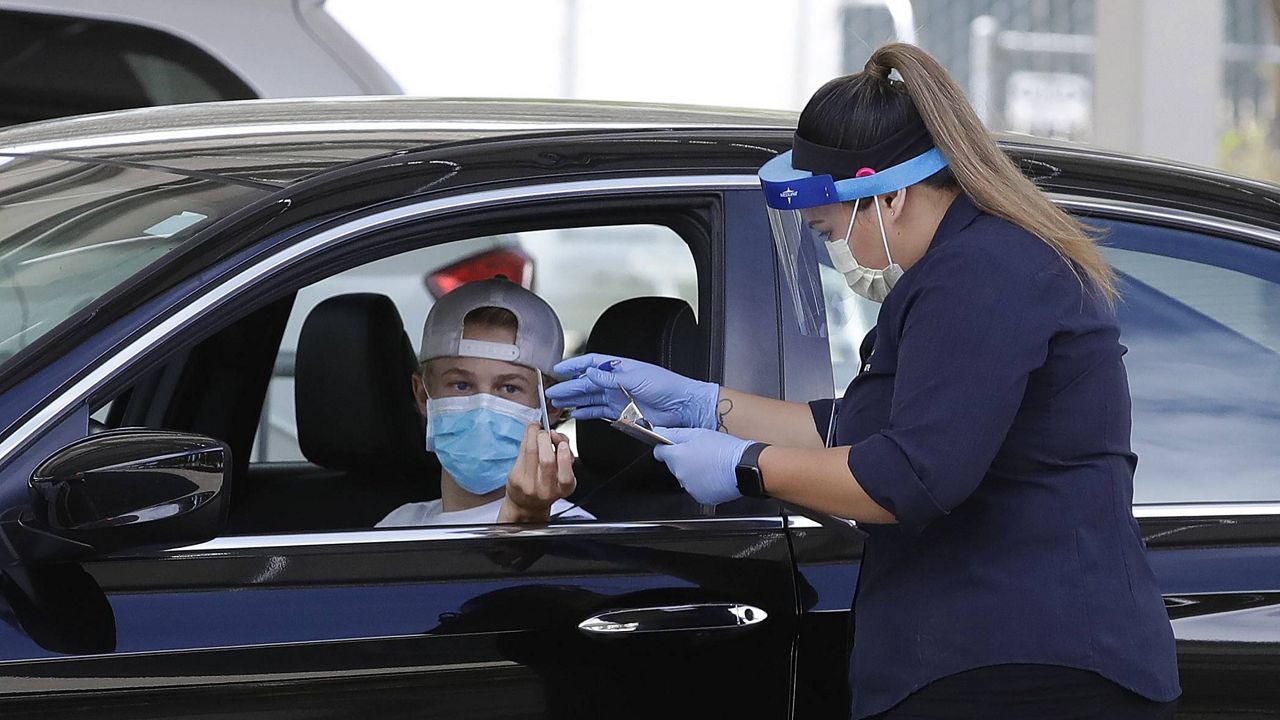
x: 1201, y: 319
x: 53, y: 66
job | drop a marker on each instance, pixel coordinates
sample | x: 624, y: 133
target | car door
x: 675, y: 613
x: 1199, y: 309
x: 1201, y: 320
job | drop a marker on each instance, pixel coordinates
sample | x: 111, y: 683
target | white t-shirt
x: 431, y: 513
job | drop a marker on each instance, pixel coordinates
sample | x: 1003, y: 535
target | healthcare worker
x: 984, y: 446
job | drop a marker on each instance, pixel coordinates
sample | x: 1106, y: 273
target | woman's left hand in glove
x: 704, y: 461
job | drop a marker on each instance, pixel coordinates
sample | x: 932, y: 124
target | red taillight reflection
x: 513, y: 264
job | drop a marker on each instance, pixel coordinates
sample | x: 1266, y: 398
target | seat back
x: 656, y: 330
x: 358, y: 425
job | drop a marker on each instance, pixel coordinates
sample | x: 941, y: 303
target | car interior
x: 357, y: 424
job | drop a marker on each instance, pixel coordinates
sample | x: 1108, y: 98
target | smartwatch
x: 750, y: 482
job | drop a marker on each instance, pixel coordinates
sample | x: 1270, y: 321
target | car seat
x: 357, y: 422
x: 657, y: 330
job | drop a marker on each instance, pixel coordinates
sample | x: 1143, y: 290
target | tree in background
x: 1252, y: 147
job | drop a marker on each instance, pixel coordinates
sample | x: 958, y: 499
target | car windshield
x: 71, y: 231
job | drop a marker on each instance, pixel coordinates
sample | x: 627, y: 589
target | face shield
x: 801, y: 206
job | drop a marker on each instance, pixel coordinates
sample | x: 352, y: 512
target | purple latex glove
x: 704, y: 461
x: 664, y: 397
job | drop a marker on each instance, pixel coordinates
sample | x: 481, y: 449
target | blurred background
x: 1195, y: 80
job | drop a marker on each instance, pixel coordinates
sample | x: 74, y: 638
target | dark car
x: 159, y: 561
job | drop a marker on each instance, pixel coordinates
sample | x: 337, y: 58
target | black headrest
x: 657, y: 330
x: 352, y: 389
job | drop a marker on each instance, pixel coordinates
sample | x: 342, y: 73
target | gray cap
x: 539, y: 337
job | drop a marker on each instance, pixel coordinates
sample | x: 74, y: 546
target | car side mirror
x: 124, y: 489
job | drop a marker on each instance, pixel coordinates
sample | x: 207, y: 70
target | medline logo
x: 788, y: 194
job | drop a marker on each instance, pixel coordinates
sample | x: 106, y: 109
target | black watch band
x: 750, y: 481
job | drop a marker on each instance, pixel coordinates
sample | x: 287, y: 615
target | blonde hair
x: 984, y: 172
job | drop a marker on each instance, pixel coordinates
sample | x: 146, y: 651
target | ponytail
x: 982, y: 170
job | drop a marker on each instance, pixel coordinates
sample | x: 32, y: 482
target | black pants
x: 1026, y: 692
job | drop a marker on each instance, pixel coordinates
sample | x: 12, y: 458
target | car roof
x: 284, y: 140
x: 278, y: 143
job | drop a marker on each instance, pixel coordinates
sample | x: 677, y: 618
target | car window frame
x: 196, y: 316
x: 807, y: 363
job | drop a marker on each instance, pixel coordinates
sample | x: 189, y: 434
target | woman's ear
x: 895, y: 202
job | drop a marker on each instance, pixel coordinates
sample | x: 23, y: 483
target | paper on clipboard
x: 632, y: 423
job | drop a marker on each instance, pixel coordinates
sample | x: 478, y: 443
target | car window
x: 45, y: 58
x: 580, y: 272
x: 346, y: 464
x: 849, y: 318
x: 72, y: 231
x: 1198, y: 317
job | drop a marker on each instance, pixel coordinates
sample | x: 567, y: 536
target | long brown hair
x: 860, y: 110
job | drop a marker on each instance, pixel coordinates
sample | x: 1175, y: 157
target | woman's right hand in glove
x: 664, y: 398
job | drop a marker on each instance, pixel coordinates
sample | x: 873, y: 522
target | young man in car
x: 487, y: 352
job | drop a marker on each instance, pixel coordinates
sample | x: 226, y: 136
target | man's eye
x: 512, y: 389
x: 460, y: 385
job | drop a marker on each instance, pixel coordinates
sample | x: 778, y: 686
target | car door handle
x: 706, y: 616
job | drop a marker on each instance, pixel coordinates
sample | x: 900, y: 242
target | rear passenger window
x: 55, y: 66
x: 1199, y: 317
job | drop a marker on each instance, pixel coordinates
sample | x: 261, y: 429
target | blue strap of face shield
x: 786, y: 188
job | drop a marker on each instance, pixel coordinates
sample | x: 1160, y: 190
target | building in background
x: 1195, y: 80
x: 1189, y: 79
x: 1250, y: 112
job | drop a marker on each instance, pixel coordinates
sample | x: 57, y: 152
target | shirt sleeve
x: 824, y: 414
x: 975, y: 327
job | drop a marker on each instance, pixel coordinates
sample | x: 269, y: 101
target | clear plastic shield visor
x: 795, y: 197
x: 798, y: 256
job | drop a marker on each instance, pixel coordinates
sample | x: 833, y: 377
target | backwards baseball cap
x: 539, y: 337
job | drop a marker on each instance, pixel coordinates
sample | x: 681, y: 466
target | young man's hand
x: 543, y: 473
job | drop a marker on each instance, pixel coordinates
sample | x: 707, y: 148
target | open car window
x: 339, y: 446
x: 580, y: 272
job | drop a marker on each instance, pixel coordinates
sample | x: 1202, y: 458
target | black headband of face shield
x: 839, y: 163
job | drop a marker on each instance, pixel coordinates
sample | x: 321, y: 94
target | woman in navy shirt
x: 984, y: 445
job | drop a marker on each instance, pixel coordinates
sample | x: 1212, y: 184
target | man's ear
x: 555, y: 415
x: 419, y: 393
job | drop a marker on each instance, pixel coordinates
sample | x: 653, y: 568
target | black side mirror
x: 124, y: 489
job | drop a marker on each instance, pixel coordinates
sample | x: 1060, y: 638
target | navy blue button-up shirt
x: 991, y: 417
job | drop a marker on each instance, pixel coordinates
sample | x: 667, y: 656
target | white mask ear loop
x: 848, y: 233
x: 883, y: 235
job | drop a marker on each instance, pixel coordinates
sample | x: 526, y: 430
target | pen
x: 542, y: 404
x: 607, y: 366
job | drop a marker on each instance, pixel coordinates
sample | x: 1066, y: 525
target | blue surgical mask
x: 477, y: 438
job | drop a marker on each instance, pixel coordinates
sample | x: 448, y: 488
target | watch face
x: 750, y: 483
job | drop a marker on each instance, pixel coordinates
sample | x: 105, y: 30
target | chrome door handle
x: 706, y: 616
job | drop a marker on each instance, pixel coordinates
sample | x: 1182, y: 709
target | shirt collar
x: 958, y: 216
